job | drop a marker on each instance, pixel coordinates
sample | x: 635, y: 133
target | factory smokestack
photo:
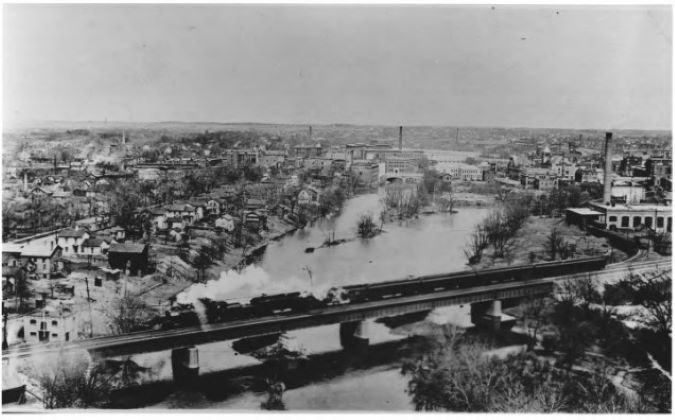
x: 400, y: 138
x: 607, y: 191
x: 310, y: 133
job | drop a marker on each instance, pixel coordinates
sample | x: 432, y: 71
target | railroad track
x: 199, y: 332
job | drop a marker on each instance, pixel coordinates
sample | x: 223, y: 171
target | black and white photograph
x: 351, y: 208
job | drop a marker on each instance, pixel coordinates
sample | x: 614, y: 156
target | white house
x: 213, y: 206
x: 40, y: 260
x: 200, y: 211
x: 225, y: 222
x: 50, y: 326
x: 118, y: 233
x: 70, y: 240
x: 308, y: 196
x: 96, y: 246
x: 158, y: 218
x: 184, y: 211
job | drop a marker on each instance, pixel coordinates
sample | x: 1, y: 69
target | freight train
x: 293, y: 303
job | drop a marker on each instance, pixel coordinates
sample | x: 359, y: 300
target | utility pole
x: 91, y: 319
x: 4, y: 329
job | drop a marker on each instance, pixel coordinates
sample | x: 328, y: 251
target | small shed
x: 131, y: 256
x: 582, y: 216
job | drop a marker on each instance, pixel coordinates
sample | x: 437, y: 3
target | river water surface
x: 430, y: 244
x: 427, y: 245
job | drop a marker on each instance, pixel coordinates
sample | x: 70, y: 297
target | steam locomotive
x: 291, y: 303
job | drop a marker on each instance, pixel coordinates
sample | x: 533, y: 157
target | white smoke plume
x: 242, y: 286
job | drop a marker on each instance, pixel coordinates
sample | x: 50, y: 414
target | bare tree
x: 72, y: 381
x: 534, y: 314
x: 554, y: 242
x: 477, y: 244
x: 582, y: 289
x: 503, y: 194
x: 654, y: 292
x: 128, y: 314
x: 366, y: 227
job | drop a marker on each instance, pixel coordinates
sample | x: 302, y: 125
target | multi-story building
x: 70, y: 240
x: 308, y: 151
x: 538, y: 178
x: 395, y: 164
x: 659, y: 167
x: 242, y: 157
x: 49, y: 326
x: 461, y: 171
x: 365, y: 171
x: 272, y: 158
x: 563, y: 168
x: 317, y: 163
x: 41, y: 261
x: 630, y: 191
x: 622, y: 216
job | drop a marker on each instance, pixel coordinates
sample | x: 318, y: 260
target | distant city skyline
x: 577, y: 67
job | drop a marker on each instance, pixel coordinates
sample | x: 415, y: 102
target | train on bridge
x: 294, y: 303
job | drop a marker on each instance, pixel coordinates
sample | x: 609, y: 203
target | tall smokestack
x: 607, y: 191
x: 400, y: 138
x: 310, y: 133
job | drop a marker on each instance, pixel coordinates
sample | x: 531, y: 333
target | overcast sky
x: 526, y: 66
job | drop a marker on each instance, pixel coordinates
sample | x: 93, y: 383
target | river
x: 430, y: 244
x: 427, y: 245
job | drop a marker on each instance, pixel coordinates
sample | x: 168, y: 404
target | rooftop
x: 93, y: 242
x: 179, y: 207
x: 12, y: 247
x: 634, y: 207
x: 71, y: 233
x: 585, y: 211
x: 38, y: 250
x: 127, y: 248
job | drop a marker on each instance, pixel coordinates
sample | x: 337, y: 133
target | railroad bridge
x: 353, y: 320
x: 485, y: 299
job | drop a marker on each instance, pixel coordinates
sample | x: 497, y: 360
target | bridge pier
x: 489, y: 315
x: 354, y: 335
x: 185, y: 364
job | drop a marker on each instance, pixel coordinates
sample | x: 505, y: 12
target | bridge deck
x: 150, y: 341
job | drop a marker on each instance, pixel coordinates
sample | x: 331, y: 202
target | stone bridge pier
x: 354, y: 335
x: 489, y: 315
x: 185, y: 365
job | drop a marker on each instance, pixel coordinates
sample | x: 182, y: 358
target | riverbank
x: 239, y: 257
x: 530, y: 244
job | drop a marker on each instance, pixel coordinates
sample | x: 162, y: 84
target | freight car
x: 284, y: 303
x: 464, y: 279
